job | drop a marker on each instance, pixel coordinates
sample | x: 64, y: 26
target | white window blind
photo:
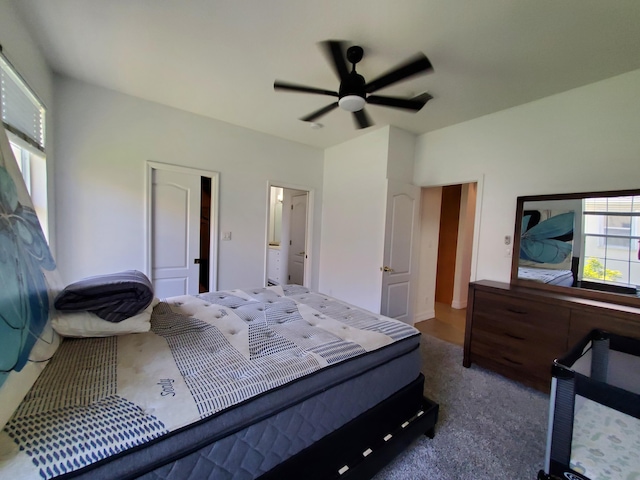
x: 23, y: 114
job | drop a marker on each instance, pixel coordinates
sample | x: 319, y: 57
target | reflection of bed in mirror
x: 547, y: 275
x: 546, y: 243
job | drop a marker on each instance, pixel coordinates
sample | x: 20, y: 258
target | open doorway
x: 205, y: 235
x: 288, y: 236
x: 446, y: 245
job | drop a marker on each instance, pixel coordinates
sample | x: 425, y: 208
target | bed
x: 112, y: 383
x: 225, y: 384
x: 594, y: 419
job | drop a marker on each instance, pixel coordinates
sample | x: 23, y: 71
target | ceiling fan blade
x: 415, y: 103
x: 362, y: 119
x: 318, y: 113
x: 278, y: 85
x: 418, y: 64
x: 334, y: 51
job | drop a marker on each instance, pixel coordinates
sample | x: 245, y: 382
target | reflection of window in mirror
x: 275, y: 215
x: 611, y: 237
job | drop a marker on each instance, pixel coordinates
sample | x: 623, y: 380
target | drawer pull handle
x: 519, y: 312
x: 514, y: 336
x: 512, y: 361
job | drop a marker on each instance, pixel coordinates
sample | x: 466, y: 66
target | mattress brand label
x: 167, y: 387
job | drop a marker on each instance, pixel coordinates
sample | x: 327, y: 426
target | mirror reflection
x: 590, y: 242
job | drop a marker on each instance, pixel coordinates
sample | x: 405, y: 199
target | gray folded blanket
x: 113, y: 297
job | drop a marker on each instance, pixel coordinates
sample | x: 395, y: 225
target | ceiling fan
x: 355, y: 92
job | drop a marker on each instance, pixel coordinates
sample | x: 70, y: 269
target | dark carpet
x: 489, y: 427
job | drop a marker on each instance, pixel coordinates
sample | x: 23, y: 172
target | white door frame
x: 309, y: 227
x: 213, y: 247
x: 479, y: 181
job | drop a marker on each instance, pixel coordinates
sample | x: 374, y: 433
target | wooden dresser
x: 518, y: 332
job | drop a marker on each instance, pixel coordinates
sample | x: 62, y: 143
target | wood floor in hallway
x: 448, y: 324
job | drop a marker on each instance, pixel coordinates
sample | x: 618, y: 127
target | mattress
x: 547, y: 275
x: 605, y: 443
x: 213, y: 369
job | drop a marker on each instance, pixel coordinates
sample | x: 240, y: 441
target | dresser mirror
x: 581, y: 244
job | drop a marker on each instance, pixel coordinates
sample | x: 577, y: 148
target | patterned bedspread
x: 101, y: 396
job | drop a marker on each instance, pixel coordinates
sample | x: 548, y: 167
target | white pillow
x: 87, y: 324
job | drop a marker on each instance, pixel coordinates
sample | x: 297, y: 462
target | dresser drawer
x: 582, y: 322
x: 519, y: 321
x: 516, y: 354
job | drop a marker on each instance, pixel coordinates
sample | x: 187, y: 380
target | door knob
x: 196, y: 261
x: 386, y: 269
x: 301, y: 253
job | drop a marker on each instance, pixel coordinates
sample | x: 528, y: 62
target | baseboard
x: 459, y: 305
x: 419, y: 317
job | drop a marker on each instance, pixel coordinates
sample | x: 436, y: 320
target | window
x: 612, y: 239
x: 23, y: 116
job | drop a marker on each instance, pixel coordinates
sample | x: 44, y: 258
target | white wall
x: 354, y: 213
x: 586, y: 139
x: 26, y: 57
x: 464, y: 246
x: 353, y: 218
x: 103, y: 142
x: 401, y: 155
x: 431, y: 203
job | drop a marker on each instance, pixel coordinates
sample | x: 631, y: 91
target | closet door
x: 297, y: 248
x: 399, y: 268
x: 175, y: 229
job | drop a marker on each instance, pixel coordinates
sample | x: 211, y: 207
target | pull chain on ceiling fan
x: 354, y: 92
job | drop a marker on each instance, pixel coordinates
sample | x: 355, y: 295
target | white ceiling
x: 219, y: 58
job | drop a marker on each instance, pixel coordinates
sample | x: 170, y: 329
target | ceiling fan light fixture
x: 352, y: 103
x: 355, y: 92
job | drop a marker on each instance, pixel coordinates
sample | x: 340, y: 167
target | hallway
x: 448, y: 324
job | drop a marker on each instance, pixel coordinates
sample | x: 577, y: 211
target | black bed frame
x: 362, y: 447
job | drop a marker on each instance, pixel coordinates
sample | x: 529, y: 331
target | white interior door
x: 175, y: 230
x: 399, y: 258
x: 297, y: 246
